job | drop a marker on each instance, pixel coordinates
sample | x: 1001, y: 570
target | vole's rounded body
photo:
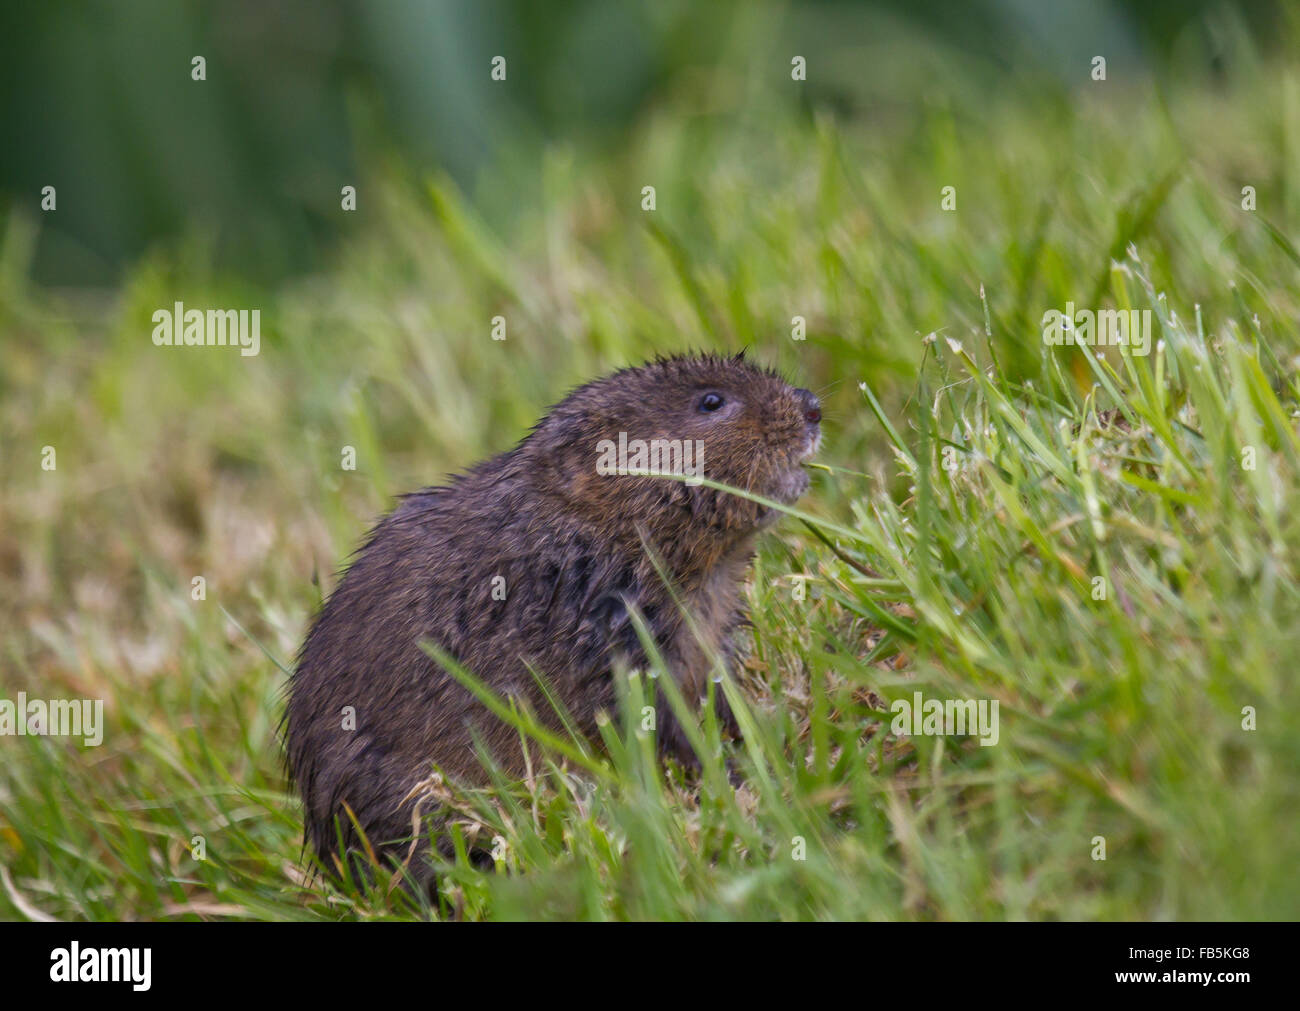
x: 533, y: 558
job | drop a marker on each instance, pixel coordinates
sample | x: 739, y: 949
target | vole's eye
x: 710, y: 402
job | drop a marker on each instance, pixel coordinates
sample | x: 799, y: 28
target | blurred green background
x: 301, y: 99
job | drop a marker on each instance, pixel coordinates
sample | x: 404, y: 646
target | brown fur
x: 571, y: 546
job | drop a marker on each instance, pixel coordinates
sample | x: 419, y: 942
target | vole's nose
x: 812, y: 407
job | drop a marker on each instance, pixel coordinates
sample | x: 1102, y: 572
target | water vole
x: 533, y: 558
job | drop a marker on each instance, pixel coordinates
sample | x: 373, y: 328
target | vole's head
x: 701, y: 416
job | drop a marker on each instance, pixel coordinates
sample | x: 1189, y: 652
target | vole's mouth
x: 792, y: 481
x: 791, y: 485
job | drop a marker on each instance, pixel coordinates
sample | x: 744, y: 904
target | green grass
x: 1120, y: 717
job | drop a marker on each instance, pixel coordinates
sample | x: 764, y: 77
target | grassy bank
x: 1103, y: 545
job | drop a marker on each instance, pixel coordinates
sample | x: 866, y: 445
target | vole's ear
x: 565, y: 453
x: 561, y: 431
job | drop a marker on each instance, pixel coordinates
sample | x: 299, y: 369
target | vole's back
x: 475, y: 569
